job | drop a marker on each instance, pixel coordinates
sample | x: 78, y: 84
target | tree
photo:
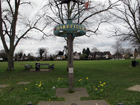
x: 10, y: 18
x: 3, y: 55
x: 86, y: 51
x: 41, y: 51
x: 60, y: 53
x: 20, y: 54
x: 83, y: 56
x: 128, y: 20
x: 117, y: 47
x: 66, y: 50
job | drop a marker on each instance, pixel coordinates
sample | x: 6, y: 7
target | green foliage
x: 83, y: 56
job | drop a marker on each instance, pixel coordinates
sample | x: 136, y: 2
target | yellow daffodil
x: 100, y: 81
x: 39, y: 85
x: 104, y: 83
x: 101, y: 84
x: 49, y: 99
x: 87, y: 78
x: 25, y: 88
x: 42, y: 87
x: 101, y: 89
x: 98, y: 85
x: 96, y: 89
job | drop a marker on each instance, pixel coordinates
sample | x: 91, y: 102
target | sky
x: 102, y: 41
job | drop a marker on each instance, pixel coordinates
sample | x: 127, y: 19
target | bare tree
x: 11, y: 19
x: 128, y: 18
x: 42, y: 52
x: 118, y: 48
x: 92, y: 18
x: 20, y: 54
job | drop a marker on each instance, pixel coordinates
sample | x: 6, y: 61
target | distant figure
x: 68, y: 1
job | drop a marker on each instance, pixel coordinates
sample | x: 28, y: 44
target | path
x: 73, y: 98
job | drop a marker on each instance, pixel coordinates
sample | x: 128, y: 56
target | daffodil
x: 101, y: 89
x: 49, y: 99
x: 100, y: 81
x: 25, y: 88
x: 39, y: 85
x: 104, y: 83
x: 101, y: 84
x: 87, y: 78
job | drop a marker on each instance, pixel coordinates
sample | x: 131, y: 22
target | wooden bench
x: 51, y: 67
x: 137, y: 63
x: 42, y: 65
x: 28, y: 67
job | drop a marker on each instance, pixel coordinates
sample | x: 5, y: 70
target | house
x: 100, y: 55
x: 91, y: 56
x: 95, y: 55
x: 59, y: 57
x: 106, y: 55
x: 76, y: 55
x: 117, y: 56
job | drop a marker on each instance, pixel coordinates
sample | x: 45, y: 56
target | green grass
x: 117, y: 75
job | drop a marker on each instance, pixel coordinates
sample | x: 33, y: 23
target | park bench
x: 28, y: 67
x: 51, y: 67
x: 43, y: 65
x: 137, y: 63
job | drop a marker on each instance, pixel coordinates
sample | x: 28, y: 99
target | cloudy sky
x: 101, y: 41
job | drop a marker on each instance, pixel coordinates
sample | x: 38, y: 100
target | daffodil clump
x: 82, y: 82
x: 99, y: 88
x: 62, y: 82
x: 39, y: 86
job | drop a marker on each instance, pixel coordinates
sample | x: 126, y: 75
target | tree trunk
x: 10, y: 62
x: 70, y: 62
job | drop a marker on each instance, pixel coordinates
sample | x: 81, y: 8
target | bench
x: 51, y: 66
x: 137, y: 63
x: 28, y: 67
x: 43, y: 65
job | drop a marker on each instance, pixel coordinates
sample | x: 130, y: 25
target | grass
x: 114, y: 75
